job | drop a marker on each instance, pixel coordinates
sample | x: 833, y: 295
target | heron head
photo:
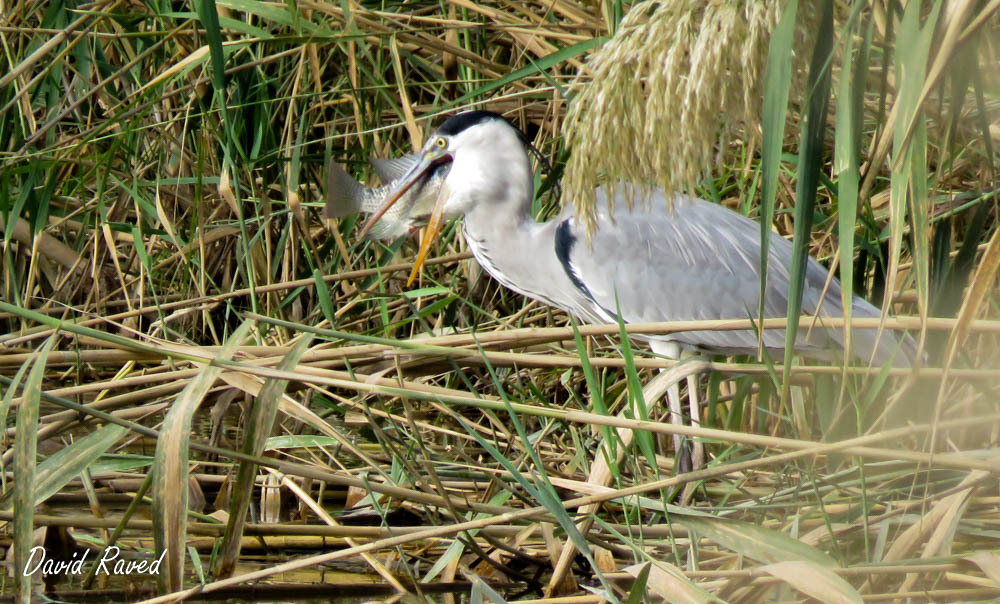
x: 489, y: 168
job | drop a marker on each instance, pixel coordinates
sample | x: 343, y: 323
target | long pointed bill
x: 433, y: 226
x: 396, y: 196
x: 406, y: 183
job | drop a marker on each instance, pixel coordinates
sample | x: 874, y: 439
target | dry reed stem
x: 140, y: 143
x: 498, y: 519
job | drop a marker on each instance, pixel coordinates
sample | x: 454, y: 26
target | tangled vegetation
x: 193, y: 362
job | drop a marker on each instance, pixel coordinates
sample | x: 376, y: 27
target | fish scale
x: 346, y: 196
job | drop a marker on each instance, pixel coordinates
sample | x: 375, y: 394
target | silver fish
x: 346, y: 196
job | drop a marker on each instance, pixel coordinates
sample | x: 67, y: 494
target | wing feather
x: 701, y: 261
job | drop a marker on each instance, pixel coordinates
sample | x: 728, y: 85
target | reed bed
x: 193, y: 362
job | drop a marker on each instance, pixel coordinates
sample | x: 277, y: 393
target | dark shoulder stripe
x: 564, y: 242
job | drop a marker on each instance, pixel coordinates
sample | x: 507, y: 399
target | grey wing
x: 701, y: 261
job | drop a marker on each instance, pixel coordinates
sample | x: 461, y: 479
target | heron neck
x: 507, y: 229
x: 499, y: 213
x: 518, y: 252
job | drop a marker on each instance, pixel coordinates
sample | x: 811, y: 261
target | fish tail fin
x: 343, y: 193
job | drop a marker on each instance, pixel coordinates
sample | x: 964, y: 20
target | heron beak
x: 428, y: 161
x: 406, y: 182
x: 433, y: 226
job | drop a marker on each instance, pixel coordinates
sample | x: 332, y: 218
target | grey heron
x: 699, y: 260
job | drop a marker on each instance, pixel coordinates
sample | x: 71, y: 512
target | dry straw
x: 667, y: 92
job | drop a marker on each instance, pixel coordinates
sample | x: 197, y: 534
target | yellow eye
x: 441, y: 143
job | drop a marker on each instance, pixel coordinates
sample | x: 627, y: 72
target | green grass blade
x: 324, y: 297
x: 637, y: 402
x: 540, y: 488
x: 255, y: 440
x: 810, y: 165
x: 596, y: 391
x: 481, y: 590
x: 209, y: 16
x: 908, y: 182
x: 668, y: 582
x: 170, y: 466
x: 5, y: 403
x: 25, y: 471
x: 849, y: 98
x: 777, y: 83
x: 756, y: 542
x: 538, y: 65
x: 845, y: 168
x: 66, y: 464
x: 637, y: 593
x: 457, y: 547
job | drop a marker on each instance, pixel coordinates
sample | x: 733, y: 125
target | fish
x: 346, y: 196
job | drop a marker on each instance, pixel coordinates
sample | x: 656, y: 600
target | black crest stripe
x: 463, y: 121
